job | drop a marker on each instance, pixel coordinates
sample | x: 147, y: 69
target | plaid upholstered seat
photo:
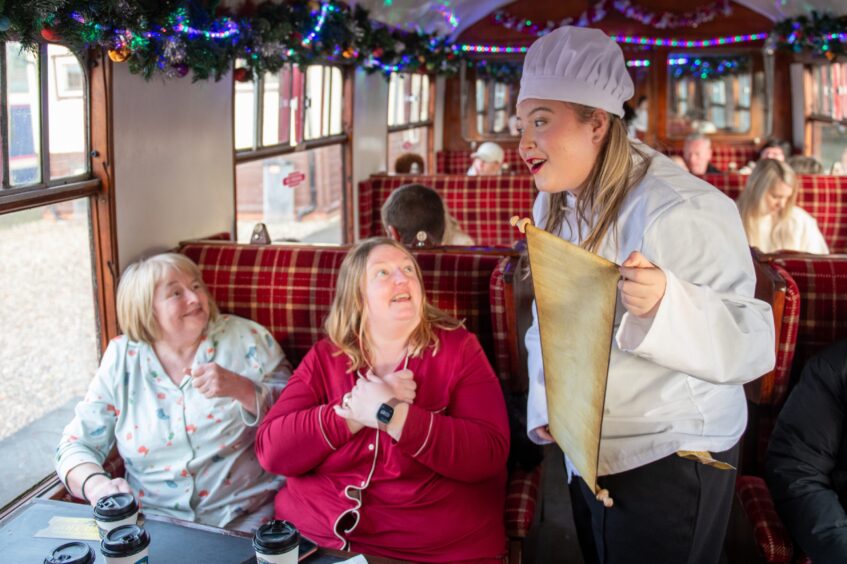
x: 771, y: 537
x: 724, y: 157
x: 823, y: 196
x: 822, y: 283
x: 289, y: 289
x: 481, y: 204
x: 458, y: 162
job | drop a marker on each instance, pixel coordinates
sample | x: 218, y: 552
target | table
x: 172, y: 541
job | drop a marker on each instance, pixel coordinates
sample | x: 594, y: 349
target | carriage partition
x: 481, y: 204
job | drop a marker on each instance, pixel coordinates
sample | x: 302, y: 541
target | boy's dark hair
x: 412, y: 208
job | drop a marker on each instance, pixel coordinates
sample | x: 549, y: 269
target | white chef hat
x: 580, y: 65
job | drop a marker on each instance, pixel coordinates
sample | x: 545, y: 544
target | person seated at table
x: 487, y: 160
x: 393, y: 431
x: 181, y: 394
x: 806, y: 465
x: 771, y: 218
x: 802, y: 164
x: 415, y: 215
x: 409, y: 163
x: 697, y: 154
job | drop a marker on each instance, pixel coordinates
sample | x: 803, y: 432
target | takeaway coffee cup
x: 276, y: 542
x: 71, y: 553
x: 126, y: 544
x: 114, y: 510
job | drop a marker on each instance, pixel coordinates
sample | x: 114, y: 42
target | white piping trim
x: 321, y: 425
x: 358, y: 507
x: 428, y: 432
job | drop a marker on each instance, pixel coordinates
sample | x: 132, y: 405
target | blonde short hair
x: 137, y: 287
x: 346, y: 324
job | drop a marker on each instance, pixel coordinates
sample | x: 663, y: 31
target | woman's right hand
x: 543, y: 432
x: 402, y: 384
x: 101, y: 486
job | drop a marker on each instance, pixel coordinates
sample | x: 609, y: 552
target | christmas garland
x: 821, y: 34
x: 590, y: 15
x: 175, y: 37
x: 671, y: 20
x: 707, y: 67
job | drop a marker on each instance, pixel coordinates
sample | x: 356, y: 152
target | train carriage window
x: 826, y: 114
x: 290, y: 154
x: 709, y: 93
x: 48, y: 217
x: 409, y: 117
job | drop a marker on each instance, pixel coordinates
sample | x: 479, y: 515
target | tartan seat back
x: 727, y: 157
x: 289, y: 288
x: 458, y: 162
x: 823, y: 196
x: 482, y: 205
x: 822, y: 283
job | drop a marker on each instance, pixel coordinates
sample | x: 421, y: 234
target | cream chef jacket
x: 675, y: 381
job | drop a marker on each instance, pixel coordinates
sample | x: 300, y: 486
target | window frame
x: 261, y: 152
x: 814, y: 115
x: 428, y: 123
x: 96, y: 185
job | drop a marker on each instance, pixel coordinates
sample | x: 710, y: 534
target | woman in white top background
x: 689, y: 333
x: 771, y: 217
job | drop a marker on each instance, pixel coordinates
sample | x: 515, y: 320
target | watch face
x: 384, y: 414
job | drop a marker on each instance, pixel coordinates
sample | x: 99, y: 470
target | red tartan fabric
x: 289, y: 289
x: 482, y: 205
x: 500, y: 320
x: 771, y: 536
x: 724, y: 157
x: 823, y: 196
x: 521, y: 497
x: 822, y: 283
x: 458, y: 162
x: 788, y: 336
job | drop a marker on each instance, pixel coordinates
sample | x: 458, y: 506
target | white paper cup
x: 277, y: 542
x: 127, y: 544
x: 113, y: 511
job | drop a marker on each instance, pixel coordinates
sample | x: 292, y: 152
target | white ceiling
x: 433, y: 15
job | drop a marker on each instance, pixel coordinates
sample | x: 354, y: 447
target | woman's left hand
x: 365, y: 399
x: 643, y: 285
x: 215, y: 381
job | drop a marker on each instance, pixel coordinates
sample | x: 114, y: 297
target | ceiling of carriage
x: 468, y: 19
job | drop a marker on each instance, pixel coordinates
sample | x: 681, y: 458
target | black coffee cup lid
x: 116, y: 506
x: 124, y: 541
x: 276, y: 537
x: 71, y: 553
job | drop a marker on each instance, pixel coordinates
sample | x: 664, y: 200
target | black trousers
x: 672, y: 511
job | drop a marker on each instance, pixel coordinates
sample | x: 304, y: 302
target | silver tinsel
x: 174, y: 50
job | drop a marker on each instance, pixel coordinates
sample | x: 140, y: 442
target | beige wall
x: 173, y: 161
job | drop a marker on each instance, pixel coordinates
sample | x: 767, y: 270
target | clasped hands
x: 360, y: 405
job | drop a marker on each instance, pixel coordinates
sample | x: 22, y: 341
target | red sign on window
x: 293, y: 179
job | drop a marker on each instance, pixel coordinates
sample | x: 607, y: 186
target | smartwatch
x: 386, y: 412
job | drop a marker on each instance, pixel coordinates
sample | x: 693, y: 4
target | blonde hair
x: 346, y: 324
x: 763, y: 178
x: 138, y: 286
x: 620, y: 165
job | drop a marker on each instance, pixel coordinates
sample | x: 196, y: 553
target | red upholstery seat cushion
x: 482, y: 205
x: 770, y: 534
x: 521, y: 497
x: 822, y: 284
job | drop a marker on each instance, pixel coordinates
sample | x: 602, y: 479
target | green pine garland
x: 812, y: 34
x: 271, y: 35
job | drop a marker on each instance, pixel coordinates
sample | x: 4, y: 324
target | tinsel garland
x: 820, y: 34
x: 176, y: 37
x: 707, y: 67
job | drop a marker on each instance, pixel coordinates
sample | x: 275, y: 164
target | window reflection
x: 709, y: 94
